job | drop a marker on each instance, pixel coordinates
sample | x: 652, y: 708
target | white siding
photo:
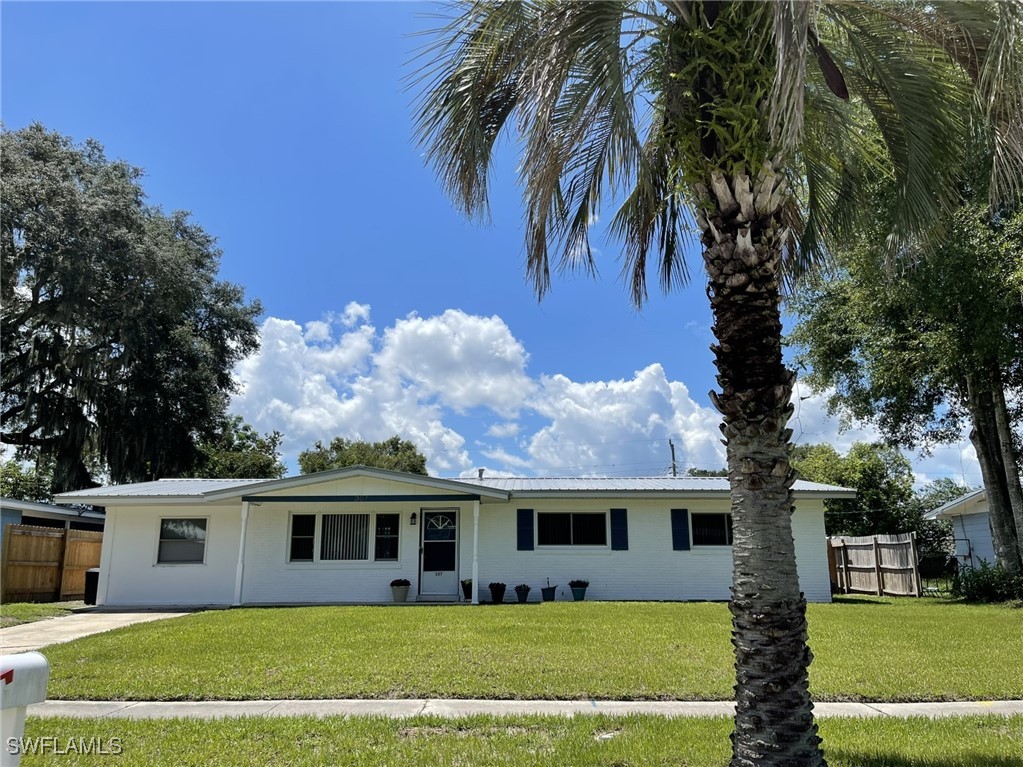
x: 270, y: 578
x: 976, y: 528
x: 132, y: 576
x: 649, y: 569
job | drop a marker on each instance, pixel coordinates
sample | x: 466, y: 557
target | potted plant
x: 522, y: 592
x: 578, y: 589
x: 467, y: 588
x: 497, y: 592
x: 548, y: 592
x: 399, y: 589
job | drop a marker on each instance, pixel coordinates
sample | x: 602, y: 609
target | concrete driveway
x: 32, y: 636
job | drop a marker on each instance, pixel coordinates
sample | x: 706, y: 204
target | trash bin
x: 91, y: 585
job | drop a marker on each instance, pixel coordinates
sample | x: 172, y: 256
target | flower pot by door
x: 467, y: 590
x: 400, y: 593
x: 548, y: 593
x: 578, y: 593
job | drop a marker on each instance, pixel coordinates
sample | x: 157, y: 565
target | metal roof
x: 182, y: 490
x: 162, y: 488
x: 49, y: 509
x: 714, y: 485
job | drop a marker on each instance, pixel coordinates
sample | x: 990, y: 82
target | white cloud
x: 339, y: 376
x: 464, y: 360
x: 502, y: 430
x: 355, y: 313
x: 621, y: 427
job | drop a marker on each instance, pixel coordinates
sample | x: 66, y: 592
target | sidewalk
x: 400, y: 709
x: 32, y: 636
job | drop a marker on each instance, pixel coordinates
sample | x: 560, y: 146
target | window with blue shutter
x: 619, y: 530
x: 680, y: 529
x: 525, y: 530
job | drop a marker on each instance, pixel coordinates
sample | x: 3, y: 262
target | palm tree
x: 710, y: 113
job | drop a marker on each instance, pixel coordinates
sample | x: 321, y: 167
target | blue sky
x: 286, y: 129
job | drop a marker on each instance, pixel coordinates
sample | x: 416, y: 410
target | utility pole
x: 674, y: 470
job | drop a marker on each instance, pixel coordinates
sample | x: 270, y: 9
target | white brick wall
x: 649, y: 569
x: 269, y: 577
x: 130, y: 558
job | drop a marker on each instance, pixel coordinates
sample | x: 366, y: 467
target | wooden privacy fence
x: 46, y: 564
x: 886, y: 565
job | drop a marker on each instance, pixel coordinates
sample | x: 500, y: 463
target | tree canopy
x: 25, y: 482
x: 882, y: 478
x: 238, y: 451
x: 396, y: 454
x: 118, y: 340
x: 930, y: 343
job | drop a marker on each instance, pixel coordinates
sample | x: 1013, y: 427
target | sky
x: 286, y: 129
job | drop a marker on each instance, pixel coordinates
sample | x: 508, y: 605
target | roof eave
x: 302, y: 480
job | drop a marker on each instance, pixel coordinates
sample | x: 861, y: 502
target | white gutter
x: 240, y: 571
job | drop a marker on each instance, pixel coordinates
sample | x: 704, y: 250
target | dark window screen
x: 303, y: 528
x: 586, y: 529
x: 387, y: 536
x: 554, y: 529
x: 712, y: 529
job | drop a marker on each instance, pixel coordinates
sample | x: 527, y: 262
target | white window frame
x: 580, y: 547
x: 159, y: 540
x: 370, y: 560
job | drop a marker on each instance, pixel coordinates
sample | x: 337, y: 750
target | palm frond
x: 918, y: 103
x: 791, y: 25
x: 579, y: 121
x: 470, y: 86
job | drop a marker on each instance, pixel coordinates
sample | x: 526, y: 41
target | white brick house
x: 342, y: 536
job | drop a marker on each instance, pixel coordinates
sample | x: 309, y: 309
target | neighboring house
x: 971, y: 527
x: 343, y: 535
x: 15, y: 512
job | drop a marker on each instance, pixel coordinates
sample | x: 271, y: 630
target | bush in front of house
x: 987, y: 583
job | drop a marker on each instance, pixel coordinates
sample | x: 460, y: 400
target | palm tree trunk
x: 743, y: 240
x: 984, y: 439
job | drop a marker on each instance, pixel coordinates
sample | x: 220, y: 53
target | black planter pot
x: 467, y: 591
x: 523, y: 596
x: 497, y: 594
x: 548, y: 593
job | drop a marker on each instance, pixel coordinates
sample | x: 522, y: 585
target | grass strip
x: 535, y: 741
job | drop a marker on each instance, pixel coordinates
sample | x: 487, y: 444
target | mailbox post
x: 23, y: 679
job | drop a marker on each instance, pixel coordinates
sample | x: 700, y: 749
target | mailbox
x: 23, y: 679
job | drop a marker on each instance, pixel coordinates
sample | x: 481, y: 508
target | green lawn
x: 865, y: 649
x: 590, y: 741
x: 17, y: 613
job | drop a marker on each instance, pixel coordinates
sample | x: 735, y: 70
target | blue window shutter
x: 525, y: 528
x: 680, y: 529
x: 619, y: 530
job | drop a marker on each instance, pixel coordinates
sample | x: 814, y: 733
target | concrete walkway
x: 400, y: 709
x: 32, y: 636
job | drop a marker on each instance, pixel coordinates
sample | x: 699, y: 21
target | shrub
x: 578, y: 584
x: 987, y: 583
x: 401, y: 582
